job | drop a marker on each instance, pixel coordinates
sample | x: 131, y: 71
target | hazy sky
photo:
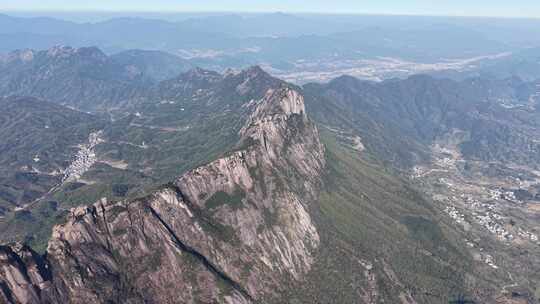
x: 521, y: 8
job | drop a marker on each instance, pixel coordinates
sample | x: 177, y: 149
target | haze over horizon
x: 480, y: 8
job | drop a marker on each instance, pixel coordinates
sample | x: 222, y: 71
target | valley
x: 493, y: 204
x: 376, y: 69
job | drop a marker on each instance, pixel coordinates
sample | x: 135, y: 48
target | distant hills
x: 153, y: 65
x: 524, y: 64
x: 85, y: 78
x: 275, y: 39
x: 297, y: 47
x: 498, y: 116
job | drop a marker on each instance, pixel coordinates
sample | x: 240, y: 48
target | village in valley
x: 497, y: 213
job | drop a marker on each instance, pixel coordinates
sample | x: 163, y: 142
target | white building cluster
x: 488, y: 259
x: 455, y: 214
x: 489, y: 221
x: 84, y: 159
x: 528, y: 235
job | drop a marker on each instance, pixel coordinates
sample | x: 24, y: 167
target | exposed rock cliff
x: 23, y: 275
x: 233, y: 231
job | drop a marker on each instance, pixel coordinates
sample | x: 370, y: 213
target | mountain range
x: 223, y: 41
x: 238, y: 187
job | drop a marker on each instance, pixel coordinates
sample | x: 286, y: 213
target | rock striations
x: 236, y: 230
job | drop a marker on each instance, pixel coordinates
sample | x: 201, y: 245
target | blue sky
x: 520, y: 8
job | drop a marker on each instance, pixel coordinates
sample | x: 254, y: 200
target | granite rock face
x: 23, y: 275
x: 236, y: 230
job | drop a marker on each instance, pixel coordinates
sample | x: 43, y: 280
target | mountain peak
x: 284, y: 100
x: 276, y: 121
x: 255, y: 70
x: 198, y: 73
x: 251, y: 80
x: 250, y: 73
x: 62, y: 51
x: 25, y: 55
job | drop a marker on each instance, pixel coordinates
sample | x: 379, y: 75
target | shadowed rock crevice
x: 201, y: 258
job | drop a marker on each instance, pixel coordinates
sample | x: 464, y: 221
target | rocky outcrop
x: 23, y: 275
x: 262, y: 193
x: 237, y: 230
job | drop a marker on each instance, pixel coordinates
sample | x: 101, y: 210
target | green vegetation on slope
x: 221, y: 198
x: 368, y: 214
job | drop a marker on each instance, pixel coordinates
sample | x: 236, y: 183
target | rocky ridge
x: 233, y: 231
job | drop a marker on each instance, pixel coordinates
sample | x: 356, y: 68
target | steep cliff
x: 23, y: 275
x: 234, y: 231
